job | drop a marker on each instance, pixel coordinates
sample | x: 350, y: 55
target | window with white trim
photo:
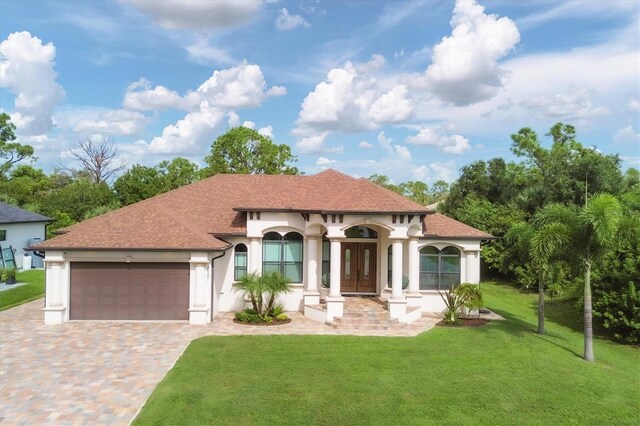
x: 439, y: 269
x: 283, y: 255
x: 240, y: 261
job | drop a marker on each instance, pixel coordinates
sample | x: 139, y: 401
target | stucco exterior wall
x: 18, y: 236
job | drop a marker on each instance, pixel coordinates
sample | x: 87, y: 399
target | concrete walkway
x: 102, y: 372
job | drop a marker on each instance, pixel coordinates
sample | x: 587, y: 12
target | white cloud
x: 249, y: 124
x: 277, y: 91
x: 26, y: 69
x: 464, y: 67
x: 189, y: 134
x: 633, y: 105
x: 234, y: 119
x: 266, y: 131
x: 399, y: 152
x: 199, y: 15
x: 435, y: 171
x: 141, y: 97
x: 352, y: 100
x: 324, y: 161
x: 365, y: 144
x: 287, y: 21
x: 577, y: 104
x: 435, y: 136
x: 577, y: 8
x: 203, y: 52
x: 242, y: 86
x: 626, y: 135
x: 312, y: 143
x: 113, y: 122
x: 393, y: 106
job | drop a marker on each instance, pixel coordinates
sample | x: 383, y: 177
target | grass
x: 502, y: 373
x: 25, y: 293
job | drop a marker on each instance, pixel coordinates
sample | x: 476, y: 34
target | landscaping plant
x: 263, y: 290
x: 466, y: 296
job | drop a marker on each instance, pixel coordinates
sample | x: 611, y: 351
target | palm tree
x: 597, y: 231
x: 594, y: 230
x: 540, y: 242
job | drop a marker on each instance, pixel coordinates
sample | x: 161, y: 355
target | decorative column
x: 254, y: 255
x: 312, y: 295
x: 414, y: 297
x: 57, y: 288
x: 397, y: 302
x: 199, y: 289
x: 335, y: 300
x: 472, y: 267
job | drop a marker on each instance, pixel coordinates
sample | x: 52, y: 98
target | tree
x: 138, y: 183
x: 76, y: 199
x: 245, y: 151
x: 10, y: 152
x: 142, y: 182
x: 439, y: 191
x: 417, y: 191
x: 98, y: 159
x: 540, y: 242
x: 177, y: 172
x: 593, y: 232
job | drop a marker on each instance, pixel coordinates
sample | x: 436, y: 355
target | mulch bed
x: 287, y: 321
x: 465, y: 322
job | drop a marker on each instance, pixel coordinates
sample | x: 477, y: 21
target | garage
x: 129, y: 291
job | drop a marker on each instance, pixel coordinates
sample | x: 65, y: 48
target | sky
x: 413, y: 90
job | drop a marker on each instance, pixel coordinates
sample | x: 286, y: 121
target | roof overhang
x: 293, y: 210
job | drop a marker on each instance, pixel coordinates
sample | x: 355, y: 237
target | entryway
x: 359, y: 267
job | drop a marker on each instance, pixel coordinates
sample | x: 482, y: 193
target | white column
x: 199, y: 289
x: 56, y: 288
x: 254, y: 255
x: 414, y: 266
x: 336, y: 258
x: 396, y: 274
x: 311, y: 295
x: 335, y: 301
x: 397, y: 302
x: 472, y: 267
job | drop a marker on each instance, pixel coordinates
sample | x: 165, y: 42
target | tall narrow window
x: 283, y: 255
x: 240, y: 261
x: 389, y: 265
x: 326, y: 259
x: 439, y: 269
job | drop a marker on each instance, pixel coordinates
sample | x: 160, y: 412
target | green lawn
x: 502, y: 373
x: 24, y: 293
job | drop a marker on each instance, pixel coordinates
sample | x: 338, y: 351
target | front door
x: 358, y: 268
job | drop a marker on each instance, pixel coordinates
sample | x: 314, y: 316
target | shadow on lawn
x: 519, y: 326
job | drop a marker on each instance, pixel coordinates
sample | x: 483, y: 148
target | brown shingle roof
x: 189, y: 218
x: 439, y: 225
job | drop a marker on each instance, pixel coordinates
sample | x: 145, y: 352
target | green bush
x: 248, y: 316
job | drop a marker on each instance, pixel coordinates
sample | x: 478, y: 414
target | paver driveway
x: 102, y: 372
x: 81, y: 372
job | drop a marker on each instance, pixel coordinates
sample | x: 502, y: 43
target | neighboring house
x: 176, y: 256
x: 18, y: 229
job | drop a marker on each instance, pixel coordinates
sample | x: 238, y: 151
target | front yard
x: 501, y: 373
x: 24, y: 293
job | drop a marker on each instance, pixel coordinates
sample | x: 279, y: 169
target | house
x: 18, y: 229
x: 176, y: 256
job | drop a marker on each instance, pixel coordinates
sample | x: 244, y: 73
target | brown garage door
x: 129, y: 291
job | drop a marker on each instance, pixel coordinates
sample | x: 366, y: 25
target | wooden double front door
x: 358, y: 272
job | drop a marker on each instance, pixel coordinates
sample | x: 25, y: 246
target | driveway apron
x: 81, y: 372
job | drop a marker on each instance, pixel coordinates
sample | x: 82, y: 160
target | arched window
x: 283, y: 255
x: 439, y: 269
x: 360, y: 232
x: 240, y: 261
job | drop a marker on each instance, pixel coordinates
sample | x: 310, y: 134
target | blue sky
x: 413, y: 90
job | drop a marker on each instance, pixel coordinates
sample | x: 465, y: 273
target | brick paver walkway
x: 102, y: 372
